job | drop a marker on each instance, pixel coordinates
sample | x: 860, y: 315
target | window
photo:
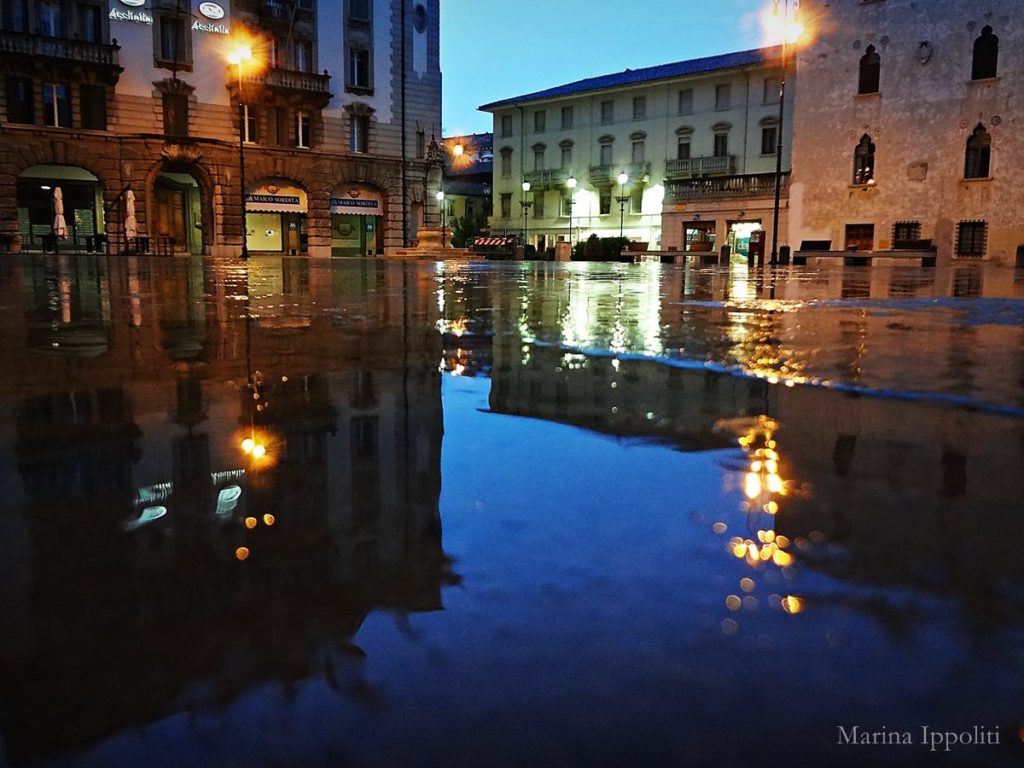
x: 864, y: 161
x: 607, y: 112
x: 173, y: 47
x: 274, y: 48
x: 905, y: 231
x: 49, y: 16
x: 90, y: 26
x: 20, y: 100
x: 15, y: 15
x: 506, y: 163
x: 605, y: 202
x: 683, y: 148
x: 985, y: 63
x: 686, y: 101
x: 567, y: 118
x: 506, y: 126
x: 870, y: 71
x: 639, y: 107
x: 566, y: 156
x: 302, y: 134
x: 56, y: 105
x: 506, y: 205
x: 638, y: 150
x: 606, y: 154
x: 359, y: 133
x: 979, y: 154
x: 538, y: 158
x: 769, y: 139
x: 277, y: 126
x: 175, y: 114
x: 538, y: 204
x: 636, y: 200
x: 358, y: 68
x: 303, y: 55
x: 860, y: 237
x: 421, y: 145
x: 565, y: 205
x: 970, y: 238
x: 721, y: 145
x: 772, y: 90
x: 249, y: 124
x: 723, y: 96
x: 540, y: 119
x: 93, y: 103
x: 359, y: 10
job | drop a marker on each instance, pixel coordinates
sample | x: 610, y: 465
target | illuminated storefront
x: 81, y: 198
x: 357, y: 218
x: 275, y: 218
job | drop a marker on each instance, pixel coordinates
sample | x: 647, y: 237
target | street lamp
x: 242, y: 53
x: 441, y: 209
x: 526, y: 214
x: 790, y: 30
x: 622, y: 199
x: 570, y: 184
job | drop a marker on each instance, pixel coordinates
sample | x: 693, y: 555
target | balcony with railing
x: 699, y: 166
x: 41, y: 48
x: 313, y: 88
x: 548, y: 178
x: 604, y: 175
x: 721, y: 187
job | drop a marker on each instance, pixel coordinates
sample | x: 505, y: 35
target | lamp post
x: 441, y: 207
x: 622, y: 199
x: 526, y: 214
x: 791, y: 30
x: 570, y: 184
x: 241, y: 54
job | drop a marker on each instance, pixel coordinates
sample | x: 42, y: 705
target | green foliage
x: 466, y: 228
x: 596, y: 248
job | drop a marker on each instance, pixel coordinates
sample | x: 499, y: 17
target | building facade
x: 103, y: 98
x: 469, y: 168
x: 694, y: 144
x: 908, y: 132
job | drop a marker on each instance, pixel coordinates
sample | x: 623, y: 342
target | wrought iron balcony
x: 699, y: 166
x: 718, y: 187
x: 22, y: 45
x: 550, y: 178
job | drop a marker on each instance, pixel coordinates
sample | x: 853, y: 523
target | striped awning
x: 482, y: 241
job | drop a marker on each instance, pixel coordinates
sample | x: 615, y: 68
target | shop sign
x: 136, y: 17
x: 362, y: 205
x: 273, y: 199
x: 206, y: 26
x: 358, y: 200
x: 211, y: 11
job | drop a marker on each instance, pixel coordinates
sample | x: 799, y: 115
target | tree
x: 466, y: 228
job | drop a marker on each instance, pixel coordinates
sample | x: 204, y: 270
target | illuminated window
x: 864, y: 161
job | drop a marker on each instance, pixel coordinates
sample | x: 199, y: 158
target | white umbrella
x: 60, y: 227
x: 131, y: 227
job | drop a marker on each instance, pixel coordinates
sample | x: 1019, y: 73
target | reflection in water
x: 207, y: 511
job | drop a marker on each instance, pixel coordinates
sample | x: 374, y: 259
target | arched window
x: 986, y: 55
x: 870, y: 71
x: 979, y: 154
x: 864, y: 161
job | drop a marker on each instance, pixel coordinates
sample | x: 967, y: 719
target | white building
x: 696, y: 141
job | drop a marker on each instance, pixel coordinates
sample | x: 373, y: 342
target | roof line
x: 654, y: 73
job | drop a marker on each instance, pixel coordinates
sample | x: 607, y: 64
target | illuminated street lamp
x: 789, y: 28
x: 570, y: 184
x: 243, y: 53
x: 441, y: 207
x: 622, y: 199
x: 526, y: 214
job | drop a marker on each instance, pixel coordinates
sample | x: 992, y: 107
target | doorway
x: 178, y: 213
x: 740, y: 235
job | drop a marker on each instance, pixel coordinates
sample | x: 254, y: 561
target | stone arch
x: 178, y: 159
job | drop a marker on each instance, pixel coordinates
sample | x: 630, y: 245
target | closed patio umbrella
x: 131, y: 226
x: 60, y: 227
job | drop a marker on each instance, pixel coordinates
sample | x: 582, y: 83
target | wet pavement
x: 413, y: 514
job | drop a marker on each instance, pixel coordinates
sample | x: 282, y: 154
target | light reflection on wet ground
x: 507, y: 514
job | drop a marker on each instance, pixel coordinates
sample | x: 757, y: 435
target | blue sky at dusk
x: 493, y: 49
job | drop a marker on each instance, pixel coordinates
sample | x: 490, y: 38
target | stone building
x: 103, y: 98
x: 694, y: 141
x: 908, y: 135
x: 469, y: 168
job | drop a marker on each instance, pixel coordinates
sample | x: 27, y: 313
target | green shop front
x: 357, y: 219
x: 275, y: 219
